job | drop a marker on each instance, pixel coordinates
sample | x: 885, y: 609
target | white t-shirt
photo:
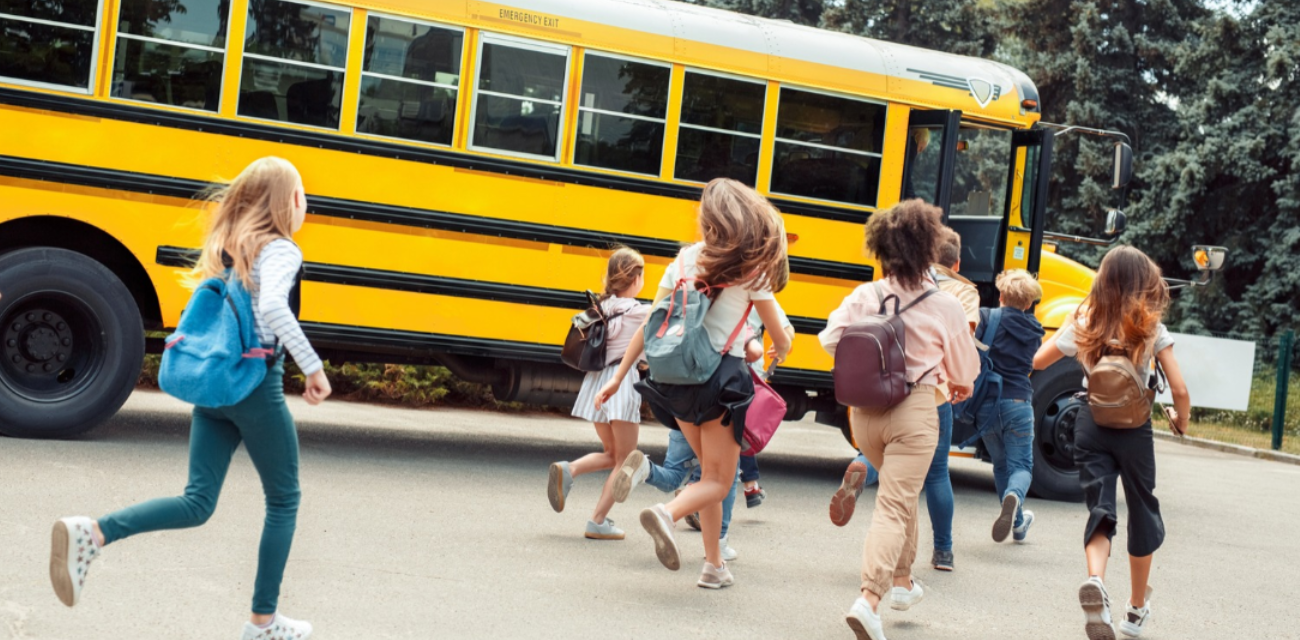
x: 1065, y: 341
x: 728, y: 308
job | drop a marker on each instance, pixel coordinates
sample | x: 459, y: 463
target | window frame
x: 779, y: 140
x: 539, y: 46
x: 663, y: 144
x: 680, y: 123
x: 460, y: 87
x: 225, y: 57
x: 244, y: 56
x: 97, y: 30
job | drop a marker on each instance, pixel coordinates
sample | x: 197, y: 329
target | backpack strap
x: 736, y: 333
x: 991, y: 329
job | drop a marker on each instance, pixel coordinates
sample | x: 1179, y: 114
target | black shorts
x: 1105, y: 455
x: 727, y: 395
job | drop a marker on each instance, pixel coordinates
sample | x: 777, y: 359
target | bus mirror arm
x: 1208, y: 259
x: 1065, y: 237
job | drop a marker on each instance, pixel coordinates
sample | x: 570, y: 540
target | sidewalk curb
x: 1262, y: 454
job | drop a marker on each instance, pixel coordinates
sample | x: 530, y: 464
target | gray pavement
x: 435, y: 524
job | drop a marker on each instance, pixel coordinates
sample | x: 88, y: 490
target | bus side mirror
x: 1116, y: 222
x: 1209, y: 258
x: 1123, y: 165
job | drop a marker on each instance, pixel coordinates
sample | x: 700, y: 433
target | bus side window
x: 828, y: 147
x: 50, y: 43
x: 409, y: 80
x: 721, y: 128
x: 622, y: 114
x: 294, y: 58
x: 520, y: 99
x: 171, y: 54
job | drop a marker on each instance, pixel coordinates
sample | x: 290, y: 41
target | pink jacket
x: 621, y: 329
x: 938, y: 336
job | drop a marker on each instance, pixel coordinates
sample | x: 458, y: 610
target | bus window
x: 979, y: 191
x: 828, y: 147
x: 409, y: 80
x: 520, y: 97
x: 622, y: 114
x: 921, y: 177
x: 171, y: 54
x: 294, y: 56
x: 29, y: 31
x: 721, y: 128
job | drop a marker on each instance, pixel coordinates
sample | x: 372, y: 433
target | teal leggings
x: 263, y: 423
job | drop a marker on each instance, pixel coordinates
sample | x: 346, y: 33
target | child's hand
x: 959, y: 393
x: 318, y: 388
x: 606, y: 392
x: 753, y: 351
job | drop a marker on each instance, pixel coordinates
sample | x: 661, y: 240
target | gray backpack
x: 677, y: 345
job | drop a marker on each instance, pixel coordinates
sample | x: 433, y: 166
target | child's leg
x: 1018, y: 444
x: 213, y: 440
x: 719, y: 454
x: 625, y: 437
x: 677, y: 465
x: 938, y: 485
x: 602, y: 461
x: 727, y: 504
x: 749, y: 471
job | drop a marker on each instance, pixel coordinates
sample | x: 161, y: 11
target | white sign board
x: 1218, y: 371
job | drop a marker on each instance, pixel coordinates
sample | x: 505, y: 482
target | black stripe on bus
x: 423, y: 344
x: 404, y: 216
x: 439, y: 285
x: 382, y: 149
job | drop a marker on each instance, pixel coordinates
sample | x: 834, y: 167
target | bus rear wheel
x: 1055, y: 408
x: 71, y: 343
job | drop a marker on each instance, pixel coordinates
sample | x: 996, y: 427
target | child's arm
x: 1177, y: 388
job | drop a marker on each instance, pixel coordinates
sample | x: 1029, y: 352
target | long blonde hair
x: 744, y: 238
x: 247, y: 214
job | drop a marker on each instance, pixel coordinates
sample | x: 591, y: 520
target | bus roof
x: 767, y: 48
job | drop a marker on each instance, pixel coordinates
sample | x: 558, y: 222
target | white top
x: 728, y: 308
x: 619, y: 331
x: 274, y: 273
x: 1066, y: 342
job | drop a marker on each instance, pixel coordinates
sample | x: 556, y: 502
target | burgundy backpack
x: 870, y: 371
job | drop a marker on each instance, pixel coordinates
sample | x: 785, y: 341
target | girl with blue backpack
x: 247, y: 257
x: 618, y: 421
x: 699, y: 383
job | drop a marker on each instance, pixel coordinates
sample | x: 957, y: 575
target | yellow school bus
x: 469, y: 164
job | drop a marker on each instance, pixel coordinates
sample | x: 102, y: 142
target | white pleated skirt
x: 625, y: 405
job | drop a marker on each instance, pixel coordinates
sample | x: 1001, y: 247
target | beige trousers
x: 899, y: 442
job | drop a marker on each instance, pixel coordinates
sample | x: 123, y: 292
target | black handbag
x: 584, y: 347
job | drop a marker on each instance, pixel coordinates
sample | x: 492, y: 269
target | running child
x: 618, y: 420
x: 252, y: 222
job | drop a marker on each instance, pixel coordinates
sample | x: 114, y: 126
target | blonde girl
x: 618, y: 420
x: 252, y: 222
x: 1121, y: 315
x: 900, y: 441
x: 743, y: 257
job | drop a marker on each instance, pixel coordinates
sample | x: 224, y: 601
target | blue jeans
x: 938, y: 486
x: 1008, y: 427
x: 748, y: 469
x: 679, y: 465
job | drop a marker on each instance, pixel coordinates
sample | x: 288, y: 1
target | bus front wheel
x: 71, y: 343
x: 1055, y: 408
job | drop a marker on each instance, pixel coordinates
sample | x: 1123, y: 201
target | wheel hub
x: 1058, y: 431
x: 38, y: 341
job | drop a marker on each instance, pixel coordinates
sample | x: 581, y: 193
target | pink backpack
x: 763, y: 417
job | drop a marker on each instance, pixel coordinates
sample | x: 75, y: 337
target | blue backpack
x: 215, y: 358
x: 677, y: 345
x: 989, y: 382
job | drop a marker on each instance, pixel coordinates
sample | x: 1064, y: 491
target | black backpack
x: 584, y: 347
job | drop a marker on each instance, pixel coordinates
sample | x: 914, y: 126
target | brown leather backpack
x: 870, y: 370
x: 1117, y: 393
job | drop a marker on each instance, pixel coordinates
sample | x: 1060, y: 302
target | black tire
x: 1055, y: 407
x: 72, y: 343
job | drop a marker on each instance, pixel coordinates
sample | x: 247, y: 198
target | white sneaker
x: 903, y: 599
x: 728, y: 554
x: 864, y: 622
x: 659, y: 524
x: 1006, y: 518
x: 281, y: 628
x: 558, y: 483
x: 1096, y: 610
x: 1136, y: 619
x: 1021, y: 532
x: 603, y: 531
x: 712, y: 577
x: 634, y: 471
x: 72, y: 548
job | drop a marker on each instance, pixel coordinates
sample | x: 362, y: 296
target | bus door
x: 931, y: 153
x: 1026, y: 215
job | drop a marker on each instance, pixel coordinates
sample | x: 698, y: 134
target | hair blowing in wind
x: 253, y: 210
x: 744, y: 238
x: 1127, y: 301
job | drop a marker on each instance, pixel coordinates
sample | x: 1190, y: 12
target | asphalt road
x: 435, y: 524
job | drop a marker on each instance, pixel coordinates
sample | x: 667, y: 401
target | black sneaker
x: 942, y: 560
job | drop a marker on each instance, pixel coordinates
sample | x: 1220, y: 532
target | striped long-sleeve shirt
x: 274, y: 273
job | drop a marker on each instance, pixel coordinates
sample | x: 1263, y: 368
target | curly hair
x: 905, y: 240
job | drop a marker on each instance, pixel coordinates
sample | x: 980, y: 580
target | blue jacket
x: 1012, y: 350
